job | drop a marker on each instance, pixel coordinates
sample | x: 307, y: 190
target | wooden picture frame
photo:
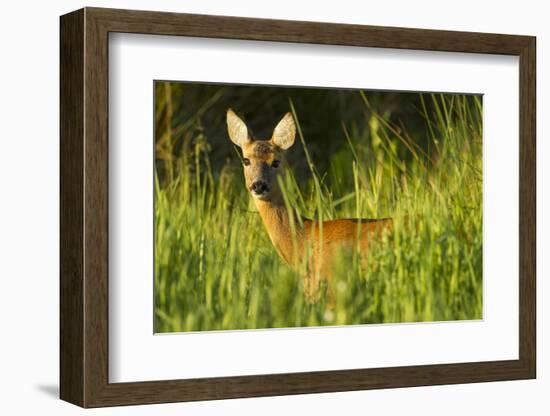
x: 84, y: 207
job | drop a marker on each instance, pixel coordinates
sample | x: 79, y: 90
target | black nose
x: 259, y: 187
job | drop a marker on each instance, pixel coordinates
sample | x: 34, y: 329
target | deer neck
x: 277, y: 221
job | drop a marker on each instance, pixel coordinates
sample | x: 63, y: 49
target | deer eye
x: 275, y: 163
x: 246, y: 162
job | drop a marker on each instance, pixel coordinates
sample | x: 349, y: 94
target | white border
x: 135, y: 354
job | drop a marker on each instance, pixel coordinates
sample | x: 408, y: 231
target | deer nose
x: 259, y: 187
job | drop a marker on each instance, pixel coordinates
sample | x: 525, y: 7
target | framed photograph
x: 257, y: 207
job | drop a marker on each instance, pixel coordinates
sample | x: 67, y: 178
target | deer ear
x: 285, y: 132
x: 236, y: 128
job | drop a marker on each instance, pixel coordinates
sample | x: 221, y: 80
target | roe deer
x: 263, y: 161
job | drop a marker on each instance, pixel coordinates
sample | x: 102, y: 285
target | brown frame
x: 84, y: 207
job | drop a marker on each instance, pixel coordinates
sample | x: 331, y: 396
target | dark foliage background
x: 190, y: 112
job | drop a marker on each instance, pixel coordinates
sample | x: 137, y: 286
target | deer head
x: 262, y: 159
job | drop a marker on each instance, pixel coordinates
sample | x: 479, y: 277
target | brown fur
x: 322, y: 241
x: 315, y: 242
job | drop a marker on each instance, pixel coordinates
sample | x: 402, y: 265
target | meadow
x: 216, y: 269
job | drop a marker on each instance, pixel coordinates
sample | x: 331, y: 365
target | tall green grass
x: 216, y: 269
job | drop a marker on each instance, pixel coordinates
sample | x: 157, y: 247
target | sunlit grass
x: 215, y: 267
